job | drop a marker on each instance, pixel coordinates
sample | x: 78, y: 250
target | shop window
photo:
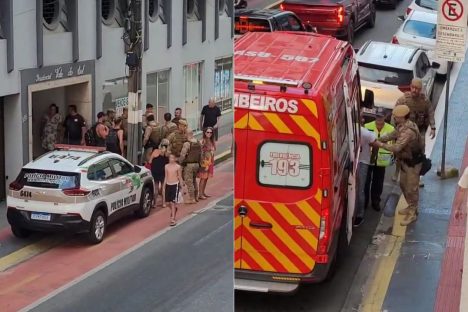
x: 192, y: 86
x: 115, y: 93
x: 108, y: 8
x: 51, y: 13
x: 223, y: 83
x: 157, y: 92
x: 284, y: 164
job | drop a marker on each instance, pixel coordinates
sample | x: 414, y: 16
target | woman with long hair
x: 207, y: 161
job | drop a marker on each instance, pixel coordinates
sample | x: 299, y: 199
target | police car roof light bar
x: 66, y: 147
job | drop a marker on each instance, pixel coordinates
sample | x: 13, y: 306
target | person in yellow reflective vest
x: 380, y: 159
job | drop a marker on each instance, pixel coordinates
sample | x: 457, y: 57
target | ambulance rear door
x: 281, y: 189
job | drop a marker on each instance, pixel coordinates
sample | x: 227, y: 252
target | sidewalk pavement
x: 427, y: 272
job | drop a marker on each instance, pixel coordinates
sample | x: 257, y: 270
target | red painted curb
x: 26, y: 283
x: 450, y: 282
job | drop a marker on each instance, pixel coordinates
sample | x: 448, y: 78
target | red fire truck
x: 297, y: 105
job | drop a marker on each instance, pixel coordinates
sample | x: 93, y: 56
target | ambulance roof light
x: 307, y: 86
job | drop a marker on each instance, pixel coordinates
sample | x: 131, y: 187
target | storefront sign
x: 63, y: 71
x: 120, y: 104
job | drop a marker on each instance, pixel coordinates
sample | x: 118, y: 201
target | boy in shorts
x: 172, y: 179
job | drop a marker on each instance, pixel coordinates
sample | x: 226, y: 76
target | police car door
x: 105, y: 185
x: 129, y: 185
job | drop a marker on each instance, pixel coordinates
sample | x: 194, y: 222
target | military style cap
x: 183, y: 122
x: 380, y: 112
x: 401, y: 111
x: 416, y: 82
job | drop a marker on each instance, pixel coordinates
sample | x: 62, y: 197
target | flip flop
x: 173, y: 223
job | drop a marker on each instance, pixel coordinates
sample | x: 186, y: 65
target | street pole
x: 444, y: 144
x: 134, y: 58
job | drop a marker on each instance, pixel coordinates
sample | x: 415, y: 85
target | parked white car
x: 428, y: 6
x: 419, y: 30
x: 387, y: 70
x: 77, y: 189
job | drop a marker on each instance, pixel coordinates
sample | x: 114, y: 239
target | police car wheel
x: 146, y: 202
x: 97, y: 228
x: 20, y: 232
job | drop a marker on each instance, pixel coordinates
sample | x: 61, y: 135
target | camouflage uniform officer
x: 190, y: 160
x: 405, y: 148
x: 421, y: 111
x: 178, y: 138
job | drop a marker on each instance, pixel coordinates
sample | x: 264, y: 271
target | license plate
x: 368, y: 110
x: 40, y: 216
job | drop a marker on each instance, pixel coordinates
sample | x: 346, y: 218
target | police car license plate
x: 40, y: 216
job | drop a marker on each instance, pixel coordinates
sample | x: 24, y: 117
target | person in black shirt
x: 210, y: 115
x: 74, y: 127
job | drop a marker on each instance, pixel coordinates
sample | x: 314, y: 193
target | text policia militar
x: 265, y: 103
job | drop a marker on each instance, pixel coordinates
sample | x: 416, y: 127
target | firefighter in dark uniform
x: 421, y: 111
x: 406, y: 148
x: 190, y: 160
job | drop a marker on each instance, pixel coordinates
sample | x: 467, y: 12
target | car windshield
x: 420, y: 29
x: 427, y: 4
x: 48, y: 179
x: 386, y: 75
x: 244, y: 25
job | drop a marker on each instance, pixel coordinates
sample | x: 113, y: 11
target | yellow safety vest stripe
x: 384, y: 157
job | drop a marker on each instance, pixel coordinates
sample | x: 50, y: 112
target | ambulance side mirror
x: 368, y: 99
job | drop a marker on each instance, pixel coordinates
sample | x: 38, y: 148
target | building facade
x: 73, y: 52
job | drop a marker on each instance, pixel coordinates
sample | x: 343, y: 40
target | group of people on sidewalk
x: 404, y: 142
x: 172, y: 153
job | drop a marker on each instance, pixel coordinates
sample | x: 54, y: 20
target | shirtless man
x: 172, y: 180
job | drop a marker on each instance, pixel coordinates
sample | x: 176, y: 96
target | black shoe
x: 358, y: 221
x: 376, y: 207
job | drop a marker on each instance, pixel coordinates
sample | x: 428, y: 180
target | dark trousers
x: 374, y: 185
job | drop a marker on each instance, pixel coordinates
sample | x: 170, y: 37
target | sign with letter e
x: 451, y: 30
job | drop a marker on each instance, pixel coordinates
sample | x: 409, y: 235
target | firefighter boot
x: 409, y: 218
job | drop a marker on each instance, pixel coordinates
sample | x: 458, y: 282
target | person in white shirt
x: 367, y: 137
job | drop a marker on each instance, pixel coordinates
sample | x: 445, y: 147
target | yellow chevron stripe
x: 309, y: 212
x: 280, y: 232
x: 318, y: 196
x: 273, y: 250
x: 242, y: 123
x: 237, y: 201
x: 276, y: 121
x: 254, y: 124
x: 237, y: 222
x: 256, y: 256
x: 312, y: 106
x: 308, y: 129
x: 292, y: 219
x: 237, y: 264
x: 245, y: 266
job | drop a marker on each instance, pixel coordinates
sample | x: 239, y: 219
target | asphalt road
x: 188, y: 268
x: 331, y: 296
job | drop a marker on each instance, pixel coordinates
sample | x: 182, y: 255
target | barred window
x: 193, y: 10
x: 221, y: 6
x: 223, y: 83
x: 108, y: 8
x: 51, y: 13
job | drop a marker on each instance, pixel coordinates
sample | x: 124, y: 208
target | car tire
x: 98, y: 227
x: 350, y: 33
x: 146, y: 203
x: 20, y: 232
x: 372, y: 17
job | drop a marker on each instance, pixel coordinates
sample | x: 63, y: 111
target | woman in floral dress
x: 50, y: 127
x: 207, y: 161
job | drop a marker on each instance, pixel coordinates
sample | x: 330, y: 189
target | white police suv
x: 79, y: 189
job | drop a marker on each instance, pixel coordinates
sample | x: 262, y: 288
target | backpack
x: 112, y: 142
x: 177, y: 143
x: 156, y: 136
x: 194, y: 154
x: 90, y: 136
x: 167, y: 130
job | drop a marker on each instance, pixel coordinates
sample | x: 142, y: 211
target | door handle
x: 242, y: 211
x: 260, y: 225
